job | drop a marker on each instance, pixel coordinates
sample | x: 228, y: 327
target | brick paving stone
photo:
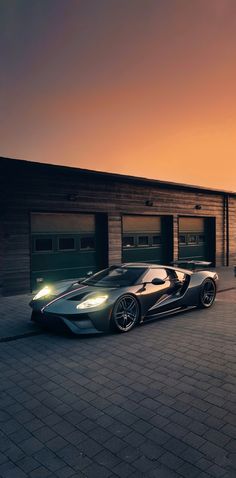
x: 214, y: 422
x: 63, y: 428
x: 194, y: 440
x: 151, y: 450
x: 229, y: 430
x: 216, y: 471
x: 217, y: 437
x: 10, y: 470
x: 129, y: 453
x: 56, y: 443
x: 89, y: 447
x: 211, y: 450
x: 14, y: 453
x: 44, y: 434
x: 180, y: 419
x: 142, y: 426
x: 231, y: 446
x: 191, y: 455
x: 171, y: 461
x: 187, y: 470
x: 76, y: 437
x: 3, y: 458
x: 78, y: 474
x: 31, y: 445
x: 114, y: 444
x: 73, y: 457
x: 127, y: 418
x: 162, y: 472
x: 48, y: 458
x: 66, y: 472
x: 144, y: 464
x: 107, y: 458
x: 204, y: 464
x: 176, y: 430
x: 158, y: 436
x: 197, y: 427
x: 100, y: 434
x: 95, y: 470
x: 175, y: 446
x: 10, y: 426
x: 202, y: 474
x: 135, y: 439
x: 86, y: 425
x: 40, y: 472
x: 27, y: 464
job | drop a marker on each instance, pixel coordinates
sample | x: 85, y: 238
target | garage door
x: 196, y: 238
x: 65, y: 246
x: 142, y: 239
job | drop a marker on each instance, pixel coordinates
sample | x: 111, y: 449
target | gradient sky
x: 140, y: 87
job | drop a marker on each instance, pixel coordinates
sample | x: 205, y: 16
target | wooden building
x: 60, y: 222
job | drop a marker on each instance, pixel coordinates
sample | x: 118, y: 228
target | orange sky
x: 140, y: 87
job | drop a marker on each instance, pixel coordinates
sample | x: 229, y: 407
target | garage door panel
x: 196, y: 241
x: 142, y: 239
x: 59, y: 222
x: 143, y: 255
x: 66, y: 245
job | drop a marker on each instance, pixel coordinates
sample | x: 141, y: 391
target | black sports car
x: 120, y: 297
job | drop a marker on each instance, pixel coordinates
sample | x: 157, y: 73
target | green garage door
x: 142, y: 239
x: 65, y: 246
x: 196, y: 238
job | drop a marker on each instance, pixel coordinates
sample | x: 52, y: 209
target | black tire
x: 207, y: 294
x: 125, y: 314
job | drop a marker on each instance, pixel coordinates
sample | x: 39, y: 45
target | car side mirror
x: 157, y: 281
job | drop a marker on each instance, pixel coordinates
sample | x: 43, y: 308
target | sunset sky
x: 140, y: 87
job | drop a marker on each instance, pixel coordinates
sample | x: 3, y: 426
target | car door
x: 161, y: 298
x: 151, y: 294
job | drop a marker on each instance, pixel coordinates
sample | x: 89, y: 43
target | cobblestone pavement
x: 159, y: 401
x: 15, y: 317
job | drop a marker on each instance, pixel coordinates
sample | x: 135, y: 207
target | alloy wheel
x: 208, y: 293
x: 126, y: 313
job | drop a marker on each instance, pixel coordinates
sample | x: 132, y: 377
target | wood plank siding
x: 28, y: 187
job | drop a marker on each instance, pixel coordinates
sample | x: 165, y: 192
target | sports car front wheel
x: 125, y: 314
x: 207, y: 294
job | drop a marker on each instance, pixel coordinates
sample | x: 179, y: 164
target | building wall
x: 34, y: 187
x: 232, y: 229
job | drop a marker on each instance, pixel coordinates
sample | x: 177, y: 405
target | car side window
x: 155, y: 273
x: 180, y: 276
x: 176, y: 275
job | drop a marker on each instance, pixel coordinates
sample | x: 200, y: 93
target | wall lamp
x: 149, y: 203
x: 72, y: 197
x: 198, y: 206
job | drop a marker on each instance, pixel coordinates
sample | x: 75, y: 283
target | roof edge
x: 125, y: 177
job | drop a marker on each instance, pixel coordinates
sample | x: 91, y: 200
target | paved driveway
x: 157, y: 402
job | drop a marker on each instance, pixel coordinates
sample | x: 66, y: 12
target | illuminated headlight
x: 42, y: 293
x: 92, y: 302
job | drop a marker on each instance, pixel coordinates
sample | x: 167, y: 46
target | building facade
x: 59, y: 222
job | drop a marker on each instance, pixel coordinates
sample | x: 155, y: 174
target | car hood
x: 66, y: 302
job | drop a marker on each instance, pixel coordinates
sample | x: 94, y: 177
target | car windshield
x: 116, y: 277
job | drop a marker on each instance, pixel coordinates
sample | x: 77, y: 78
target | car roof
x: 155, y: 266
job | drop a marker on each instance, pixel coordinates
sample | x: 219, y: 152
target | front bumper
x: 80, y: 325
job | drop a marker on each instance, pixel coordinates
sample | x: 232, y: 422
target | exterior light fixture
x: 149, y: 203
x: 198, y: 206
x: 72, y: 197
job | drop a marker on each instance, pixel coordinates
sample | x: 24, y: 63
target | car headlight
x: 42, y: 293
x: 92, y: 302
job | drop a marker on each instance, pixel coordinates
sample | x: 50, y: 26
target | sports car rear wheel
x: 207, y: 294
x: 125, y: 314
